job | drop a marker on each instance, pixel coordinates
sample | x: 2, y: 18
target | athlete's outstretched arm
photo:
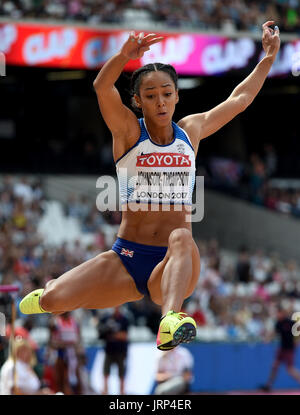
x: 211, y: 121
x: 119, y: 118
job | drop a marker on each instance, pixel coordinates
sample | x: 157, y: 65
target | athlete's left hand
x: 270, y: 39
x: 136, y: 45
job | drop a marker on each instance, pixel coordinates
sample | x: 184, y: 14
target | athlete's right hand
x: 136, y: 45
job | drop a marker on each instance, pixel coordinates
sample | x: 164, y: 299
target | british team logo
x: 180, y: 148
x: 127, y: 252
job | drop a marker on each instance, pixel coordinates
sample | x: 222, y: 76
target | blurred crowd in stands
x: 28, y: 261
x: 235, y: 299
x: 254, y: 181
x: 196, y: 14
x: 239, y: 294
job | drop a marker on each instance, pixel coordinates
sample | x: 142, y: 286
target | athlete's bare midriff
x: 153, y: 227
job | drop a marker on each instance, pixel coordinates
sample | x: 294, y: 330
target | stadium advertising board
x: 63, y: 46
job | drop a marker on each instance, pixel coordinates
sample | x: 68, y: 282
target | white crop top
x: 156, y: 173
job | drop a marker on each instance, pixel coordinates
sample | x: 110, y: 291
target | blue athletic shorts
x: 139, y: 260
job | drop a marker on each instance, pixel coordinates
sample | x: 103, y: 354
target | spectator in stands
x: 6, y: 206
x: 23, y: 332
x: 72, y: 206
x: 93, y: 221
x: 194, y: 309
x: 270, y: 159
x: 212, y: 274
x: 174, y: 372
x: 284, y: 204
x: 257, y: 179
x: 86, y: 388
x: 243, y: 266
x: 25, y: 381
x: 271, y: 198
x: 3, y: 349
x: 78, y: 251
x: 230, y: 15
x: 260, y: 265
x: 83, y: 207
x: 262, y: 292
x: 23, y: 190
x: 113, y: 329
x: 255, y: 326
x: 100, y: 240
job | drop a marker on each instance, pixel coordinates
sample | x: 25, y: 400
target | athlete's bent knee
x: 181, y: 238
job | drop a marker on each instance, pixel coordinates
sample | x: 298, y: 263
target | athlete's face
x: 158, y: 97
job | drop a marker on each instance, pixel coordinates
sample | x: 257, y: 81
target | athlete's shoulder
x: 188, y: 124
x: 191, y: 128
x: 123, y: 144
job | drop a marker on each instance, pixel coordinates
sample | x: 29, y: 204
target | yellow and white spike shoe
x: 31, y: 303
x: 175, y: 328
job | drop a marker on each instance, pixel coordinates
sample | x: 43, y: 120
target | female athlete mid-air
x: 154, y: 253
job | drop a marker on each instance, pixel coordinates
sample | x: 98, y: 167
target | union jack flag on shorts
x: 127, y: 252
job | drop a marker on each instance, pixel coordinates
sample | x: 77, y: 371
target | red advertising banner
x: 63, y: 46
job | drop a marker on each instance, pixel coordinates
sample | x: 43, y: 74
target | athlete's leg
x: 105, y: 385
x: 106, y: 371
x: 273, y: 374
x: 121, y: 370
x: 101, y: 282
x: 171, y: 281
x: 175, y: 278
x: 292, y: 371
x: 61, y: 377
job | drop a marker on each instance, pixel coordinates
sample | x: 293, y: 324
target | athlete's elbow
x: 97, y: 84
x: 244, y: 100
x: 101, y: 88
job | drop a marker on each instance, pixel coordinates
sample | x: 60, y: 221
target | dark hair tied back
x: 137, y: 76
